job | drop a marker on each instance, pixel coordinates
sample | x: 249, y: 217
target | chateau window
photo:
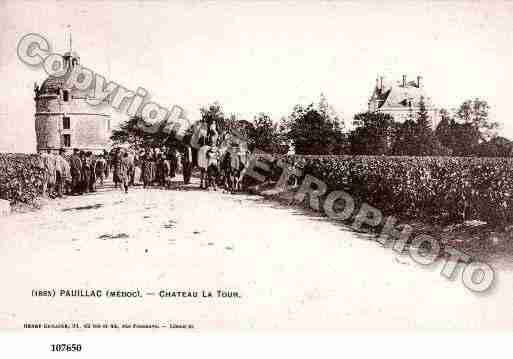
x: 66, y: 123
x: 67, y: 140
x: 65, y: 95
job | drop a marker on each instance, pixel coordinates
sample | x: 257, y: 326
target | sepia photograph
x: 172, y: 167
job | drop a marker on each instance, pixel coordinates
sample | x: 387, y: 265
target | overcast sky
x: 264, y: 56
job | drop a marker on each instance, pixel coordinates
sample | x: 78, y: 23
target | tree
x: 328, y: 112
x: 138, y: 133
x: 265, y: 135
x: 495, y: 147
x: 443, y: 131
x: 313, y: 131
x: 475, y: 113
x: 461, y: 138
x: 239, y: 131
x: 213, y: 113
x: 465, y: 139
x: 406, y: 140
x: 374, y: 133
x: 416, y: 138
x: 203, y: 132
x: 423, y: 121
x: 471, y: 132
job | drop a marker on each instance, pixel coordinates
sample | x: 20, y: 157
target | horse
x: 232, y: 167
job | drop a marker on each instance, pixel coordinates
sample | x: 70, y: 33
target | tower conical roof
x: 53, y: 83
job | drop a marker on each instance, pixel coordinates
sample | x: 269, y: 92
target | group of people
x: 158, y: 166
x: 221, y: 163
x: 222, y: 167
x: 73, y: 175
x: 86, y: 170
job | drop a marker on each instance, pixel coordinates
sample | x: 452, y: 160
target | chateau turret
x: 64, y: 119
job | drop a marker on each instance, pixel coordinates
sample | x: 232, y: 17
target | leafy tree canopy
x: 374, y: 133
x: 266, y: 136
x: 475, y: 112
x: 315, y: 129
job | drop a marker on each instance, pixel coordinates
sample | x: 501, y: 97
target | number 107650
x: 65, y: 347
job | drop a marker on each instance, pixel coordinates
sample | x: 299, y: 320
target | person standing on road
x: 100, y: 169
x: 92, y: 180
x: 173, y: 162
x: 86, y: 172
x: 160, y: 170
x: 125, y: 168
x: 62, y: 173
x: 50, y: 179
x: 106, y: 157
x: 133, y: 159
x: 166, y: 172
x: 146, y: 170
x: 203, y: 165
x: 76, y: 173
x: 187, y: 164
x: 66, y: 173
x: 152, y: 166
x: 118, y: 156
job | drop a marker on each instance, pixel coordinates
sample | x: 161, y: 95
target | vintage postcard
x: 210, y: 166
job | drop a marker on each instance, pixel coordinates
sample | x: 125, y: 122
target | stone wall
x: 47, y: 131
x: 89, y: 129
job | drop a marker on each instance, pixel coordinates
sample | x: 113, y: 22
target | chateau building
x: 402, y: 100
x: 64, y: 119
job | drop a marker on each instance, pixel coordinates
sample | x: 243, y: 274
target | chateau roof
x: 399, y: 95
x: 53, y: 83
x: 73, y: 54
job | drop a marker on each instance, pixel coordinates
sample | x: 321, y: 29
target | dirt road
x: 282, y: 268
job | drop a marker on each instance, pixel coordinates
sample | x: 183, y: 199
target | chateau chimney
x: 419, y: 81
x: 404, y: 80
x: 381, y: 83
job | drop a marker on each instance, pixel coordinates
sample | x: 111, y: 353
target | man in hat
x: 92, y: 177
x: 166, y: 171
x: 100, y: 169
x: 61, y: 172
x: 76, y: 172
x: 125, y: 168
x: 187, y: 164
x: 86, y: 171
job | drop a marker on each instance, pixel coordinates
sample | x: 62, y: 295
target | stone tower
x: 64, y: 119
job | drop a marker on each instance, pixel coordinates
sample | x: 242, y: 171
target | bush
x: 434, y: 189
x: 21, y: 177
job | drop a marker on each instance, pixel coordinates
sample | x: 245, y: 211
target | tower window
x: 65, y: 95
x: 67, y: 140
x: 66, y: 123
